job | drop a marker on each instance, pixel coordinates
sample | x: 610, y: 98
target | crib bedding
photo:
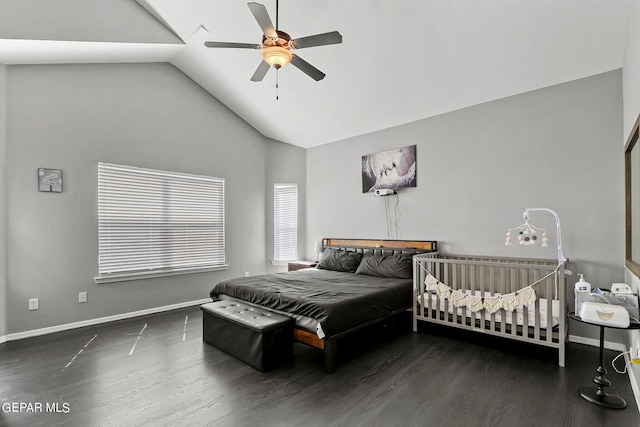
x: 337, y: 301
x: 519, y: 313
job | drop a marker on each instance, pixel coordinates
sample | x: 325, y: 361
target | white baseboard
x: 99, y: 320
x: 615, y: 346
x: 3, y: 339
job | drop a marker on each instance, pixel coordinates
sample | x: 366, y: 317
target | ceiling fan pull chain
x: 277, y: 85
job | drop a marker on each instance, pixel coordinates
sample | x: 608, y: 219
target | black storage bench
x: 258, y: 337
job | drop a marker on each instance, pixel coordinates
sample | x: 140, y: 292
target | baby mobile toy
x: 527, y: 235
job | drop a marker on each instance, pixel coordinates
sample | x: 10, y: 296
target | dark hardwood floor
x: 162, y: 374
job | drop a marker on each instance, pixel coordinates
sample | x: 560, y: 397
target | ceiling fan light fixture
x: 276, y: 56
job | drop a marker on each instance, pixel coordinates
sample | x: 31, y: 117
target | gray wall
x: 631, y: 70
x: 631, y: 96
x: 286, y: 164
x: 71, y: 117
x: 479, y: 168
x: 631, y: 93
x: 3, y: 229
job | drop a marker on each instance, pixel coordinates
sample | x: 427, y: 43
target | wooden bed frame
x: 329, y: 344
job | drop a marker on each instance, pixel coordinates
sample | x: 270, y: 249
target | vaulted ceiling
x: 400, y: 61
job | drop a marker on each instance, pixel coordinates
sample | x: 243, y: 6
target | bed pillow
x: 395, y: 266
x: 340, y: 260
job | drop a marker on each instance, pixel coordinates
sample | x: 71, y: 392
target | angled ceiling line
x: 156, y: 15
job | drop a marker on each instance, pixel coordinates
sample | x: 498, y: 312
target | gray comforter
x: 338, y: 301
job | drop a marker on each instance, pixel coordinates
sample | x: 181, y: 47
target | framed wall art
x: 391, y: 169
x: 50, y: 180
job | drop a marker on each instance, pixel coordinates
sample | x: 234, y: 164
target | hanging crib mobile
x: 527, y: 234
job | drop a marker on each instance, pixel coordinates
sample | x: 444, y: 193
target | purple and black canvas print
x: 391, y: 169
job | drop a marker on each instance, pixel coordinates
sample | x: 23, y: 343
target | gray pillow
x: 340, y: 260
x: 395, y: 266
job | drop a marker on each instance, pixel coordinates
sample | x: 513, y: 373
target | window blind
x: 151, y: 221
x: 285, y: 225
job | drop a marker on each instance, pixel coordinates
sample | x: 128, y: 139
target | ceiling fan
x: 277, y: 45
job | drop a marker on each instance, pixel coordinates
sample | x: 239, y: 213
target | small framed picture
x: 50, y: 180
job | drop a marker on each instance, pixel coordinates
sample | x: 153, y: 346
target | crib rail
x: 542, y: 323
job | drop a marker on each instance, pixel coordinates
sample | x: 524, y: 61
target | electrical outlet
x: 33, y: 304
x: 246, y: 274
x: 82, y: 297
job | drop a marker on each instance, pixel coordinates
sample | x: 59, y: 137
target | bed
x: 357, y: 283
x: 518, y: 299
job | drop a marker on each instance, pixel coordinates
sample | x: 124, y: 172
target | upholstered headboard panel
x: 383, y: 247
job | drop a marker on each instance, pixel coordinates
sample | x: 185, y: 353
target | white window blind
x: 285, y: 217
x: 152, y: 222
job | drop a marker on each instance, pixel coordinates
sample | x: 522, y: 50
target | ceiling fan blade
x: 262, y: 16
x: 261, y: 71
x: 307, y: 68
x: 233, y: 45
x: 333, y: 37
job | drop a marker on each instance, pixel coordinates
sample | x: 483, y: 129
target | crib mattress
x: 508, y: 316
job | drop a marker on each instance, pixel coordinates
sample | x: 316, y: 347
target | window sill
x: 153, y: 274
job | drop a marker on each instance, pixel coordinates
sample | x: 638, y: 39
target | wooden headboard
x: 415, y: 245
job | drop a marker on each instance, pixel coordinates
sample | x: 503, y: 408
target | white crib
x: 543, y: 322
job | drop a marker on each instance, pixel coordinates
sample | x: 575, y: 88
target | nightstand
x: 597, y: 395
x: 299, y: 265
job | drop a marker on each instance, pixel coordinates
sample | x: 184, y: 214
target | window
x: 285, y: 222
x: 154, y: 223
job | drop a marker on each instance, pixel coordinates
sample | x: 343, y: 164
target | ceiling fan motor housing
x: 276, y: 50
x: 283, y: 40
